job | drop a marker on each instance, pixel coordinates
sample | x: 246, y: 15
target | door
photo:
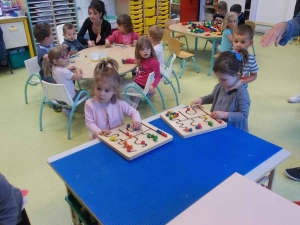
x: 189, y: 10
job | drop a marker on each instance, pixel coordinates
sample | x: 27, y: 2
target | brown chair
x: 166, y: 37
x: 176, y: 35
x: 175, y: 47
x: 252, y: 25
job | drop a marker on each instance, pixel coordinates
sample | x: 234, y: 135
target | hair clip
x: 237, y: 55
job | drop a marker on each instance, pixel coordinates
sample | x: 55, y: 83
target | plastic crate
x: 162, y: 25
x: 135, y: 12
x: 136, y: 26
x: 150, y: 21
x: 163, y: 17
x: 149, y: 3
x: 135, y: 7
x: 17, y: 57
x: 163, y: 8
x: 146, y: 30
x: 137, y: 21
x: 162, y: 21
x: 149, y: 12
x: 135, y: 17
x: 138, y: 30
x: 139, y: 2
x: 166, y: 3
x: 163, y: 12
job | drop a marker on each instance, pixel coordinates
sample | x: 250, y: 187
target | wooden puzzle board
x: 140, y: 141
x: 190, y: 117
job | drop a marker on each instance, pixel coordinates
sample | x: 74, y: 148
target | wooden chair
x: 55, y: 93
x: 135, y: 92
x: 252, y: 25
x: 166, y: 37
x: 175, y: 47
x: 176, y: 35
x: 33, y: 69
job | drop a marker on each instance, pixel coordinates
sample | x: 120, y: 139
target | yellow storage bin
x: 162, y: 25
x: 163, y: 17
x: 138, y: 30
x: 137, y: 21
x: 162, y: 21
x: 135, y: 17
x: 149, y: 3
x: 163, y: 12
x: 146, y: 30
x: 139, y: 25
x: 135, y: 7
x: 162, y: 8
x: 149, y: 12
x: 150, y: 21
x: 140, y: 33
x: 163, y: 3
x: 135, y: 12
x: 138, y: 2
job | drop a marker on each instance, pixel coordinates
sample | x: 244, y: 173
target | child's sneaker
x: 66, y: 112
x: 56, y: 108
x: 293, y: 173
x: 294, y: 99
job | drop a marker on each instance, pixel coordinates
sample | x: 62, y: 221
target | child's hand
x: 98, y: 38
x: 91, y: 44
x: 104, y: 132
x: 129, y: 61
x: 136, y: 125
x: 46, y: 57
x: 65, y: 46
x: 107, y: 43
x: 197, y: 102
x: 72, y: 52
x: 78, y: 71
x: 219, y: 115
x: 134, y: 42
x: 71, y: 67
x: 151, y: 90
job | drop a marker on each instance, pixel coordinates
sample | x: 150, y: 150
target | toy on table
x: 192, y: 121
x: 131, y: 143
x: 205, y: 27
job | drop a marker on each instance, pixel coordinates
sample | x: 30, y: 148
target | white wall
x: 232, y: 2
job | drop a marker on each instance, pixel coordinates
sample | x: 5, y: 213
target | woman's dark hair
x: 126, y: 22
x: 229, y: 63
x: 99, y: 6
x: 107, y: 71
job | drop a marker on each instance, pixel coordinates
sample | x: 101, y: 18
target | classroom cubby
x: 145, y: 13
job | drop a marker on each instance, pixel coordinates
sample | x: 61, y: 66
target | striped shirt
x: 250, y: 67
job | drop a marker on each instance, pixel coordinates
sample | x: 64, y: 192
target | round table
x: 117, y: 52
x: 183, y: 29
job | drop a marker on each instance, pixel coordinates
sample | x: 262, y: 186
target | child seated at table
x: 221, y: 11
x: 155, y: 35
x: 146, y: 60
x: 70, y: 42
x: 230, y: 99
x: 105, y: 110
x: 243, y: 39
x: 124, y: 34
x: 230, y: 23
x: 237, y: 8
x: 57, y: 64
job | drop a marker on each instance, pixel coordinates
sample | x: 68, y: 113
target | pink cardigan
x: 95, y: 115
x: 117, y: 37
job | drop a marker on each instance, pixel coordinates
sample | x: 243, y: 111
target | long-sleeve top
x: 88, y: 26
x: 11, y: 201
x: 292, y: 31
x: 241, y: 19
x: 73, y: 45
x: 146, y: 67
x: 236, y: 102
x: 226, y: 44
x: 119, y: 38
x: 98, y: 117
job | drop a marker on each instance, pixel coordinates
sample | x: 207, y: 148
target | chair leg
x: 182, y: 69
x: 151, y: 105
x: 70, y: 122
x: 186, y: 41
x: 197, y: 68
x: 26, y: 85
x: 168, y: 61
x: 162, y: 97
x: 8, y: 63
x: 177, y: 102
x: 178, y: 84
x: 41, y: 112
x: 205, y: 45
x: 253, y: 50
x: 25, y: 91
x: 181, y: 63
x: 79, y: 85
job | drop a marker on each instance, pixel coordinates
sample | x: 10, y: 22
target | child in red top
x: 146, y: 60
x: 124, y: 34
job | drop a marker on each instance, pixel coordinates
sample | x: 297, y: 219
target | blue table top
x: 156, y: 187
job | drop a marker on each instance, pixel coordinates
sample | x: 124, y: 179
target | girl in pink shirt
x: 146, y: 60
x: 124, y: 34
x: 105, y: 110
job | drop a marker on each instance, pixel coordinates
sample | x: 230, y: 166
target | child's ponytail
x: 47, y: 67
x: 104, y: 65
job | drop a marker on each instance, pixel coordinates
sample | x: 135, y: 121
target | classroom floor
x: 25, y: 149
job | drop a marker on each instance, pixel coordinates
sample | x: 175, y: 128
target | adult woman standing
x: 99, y: 28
